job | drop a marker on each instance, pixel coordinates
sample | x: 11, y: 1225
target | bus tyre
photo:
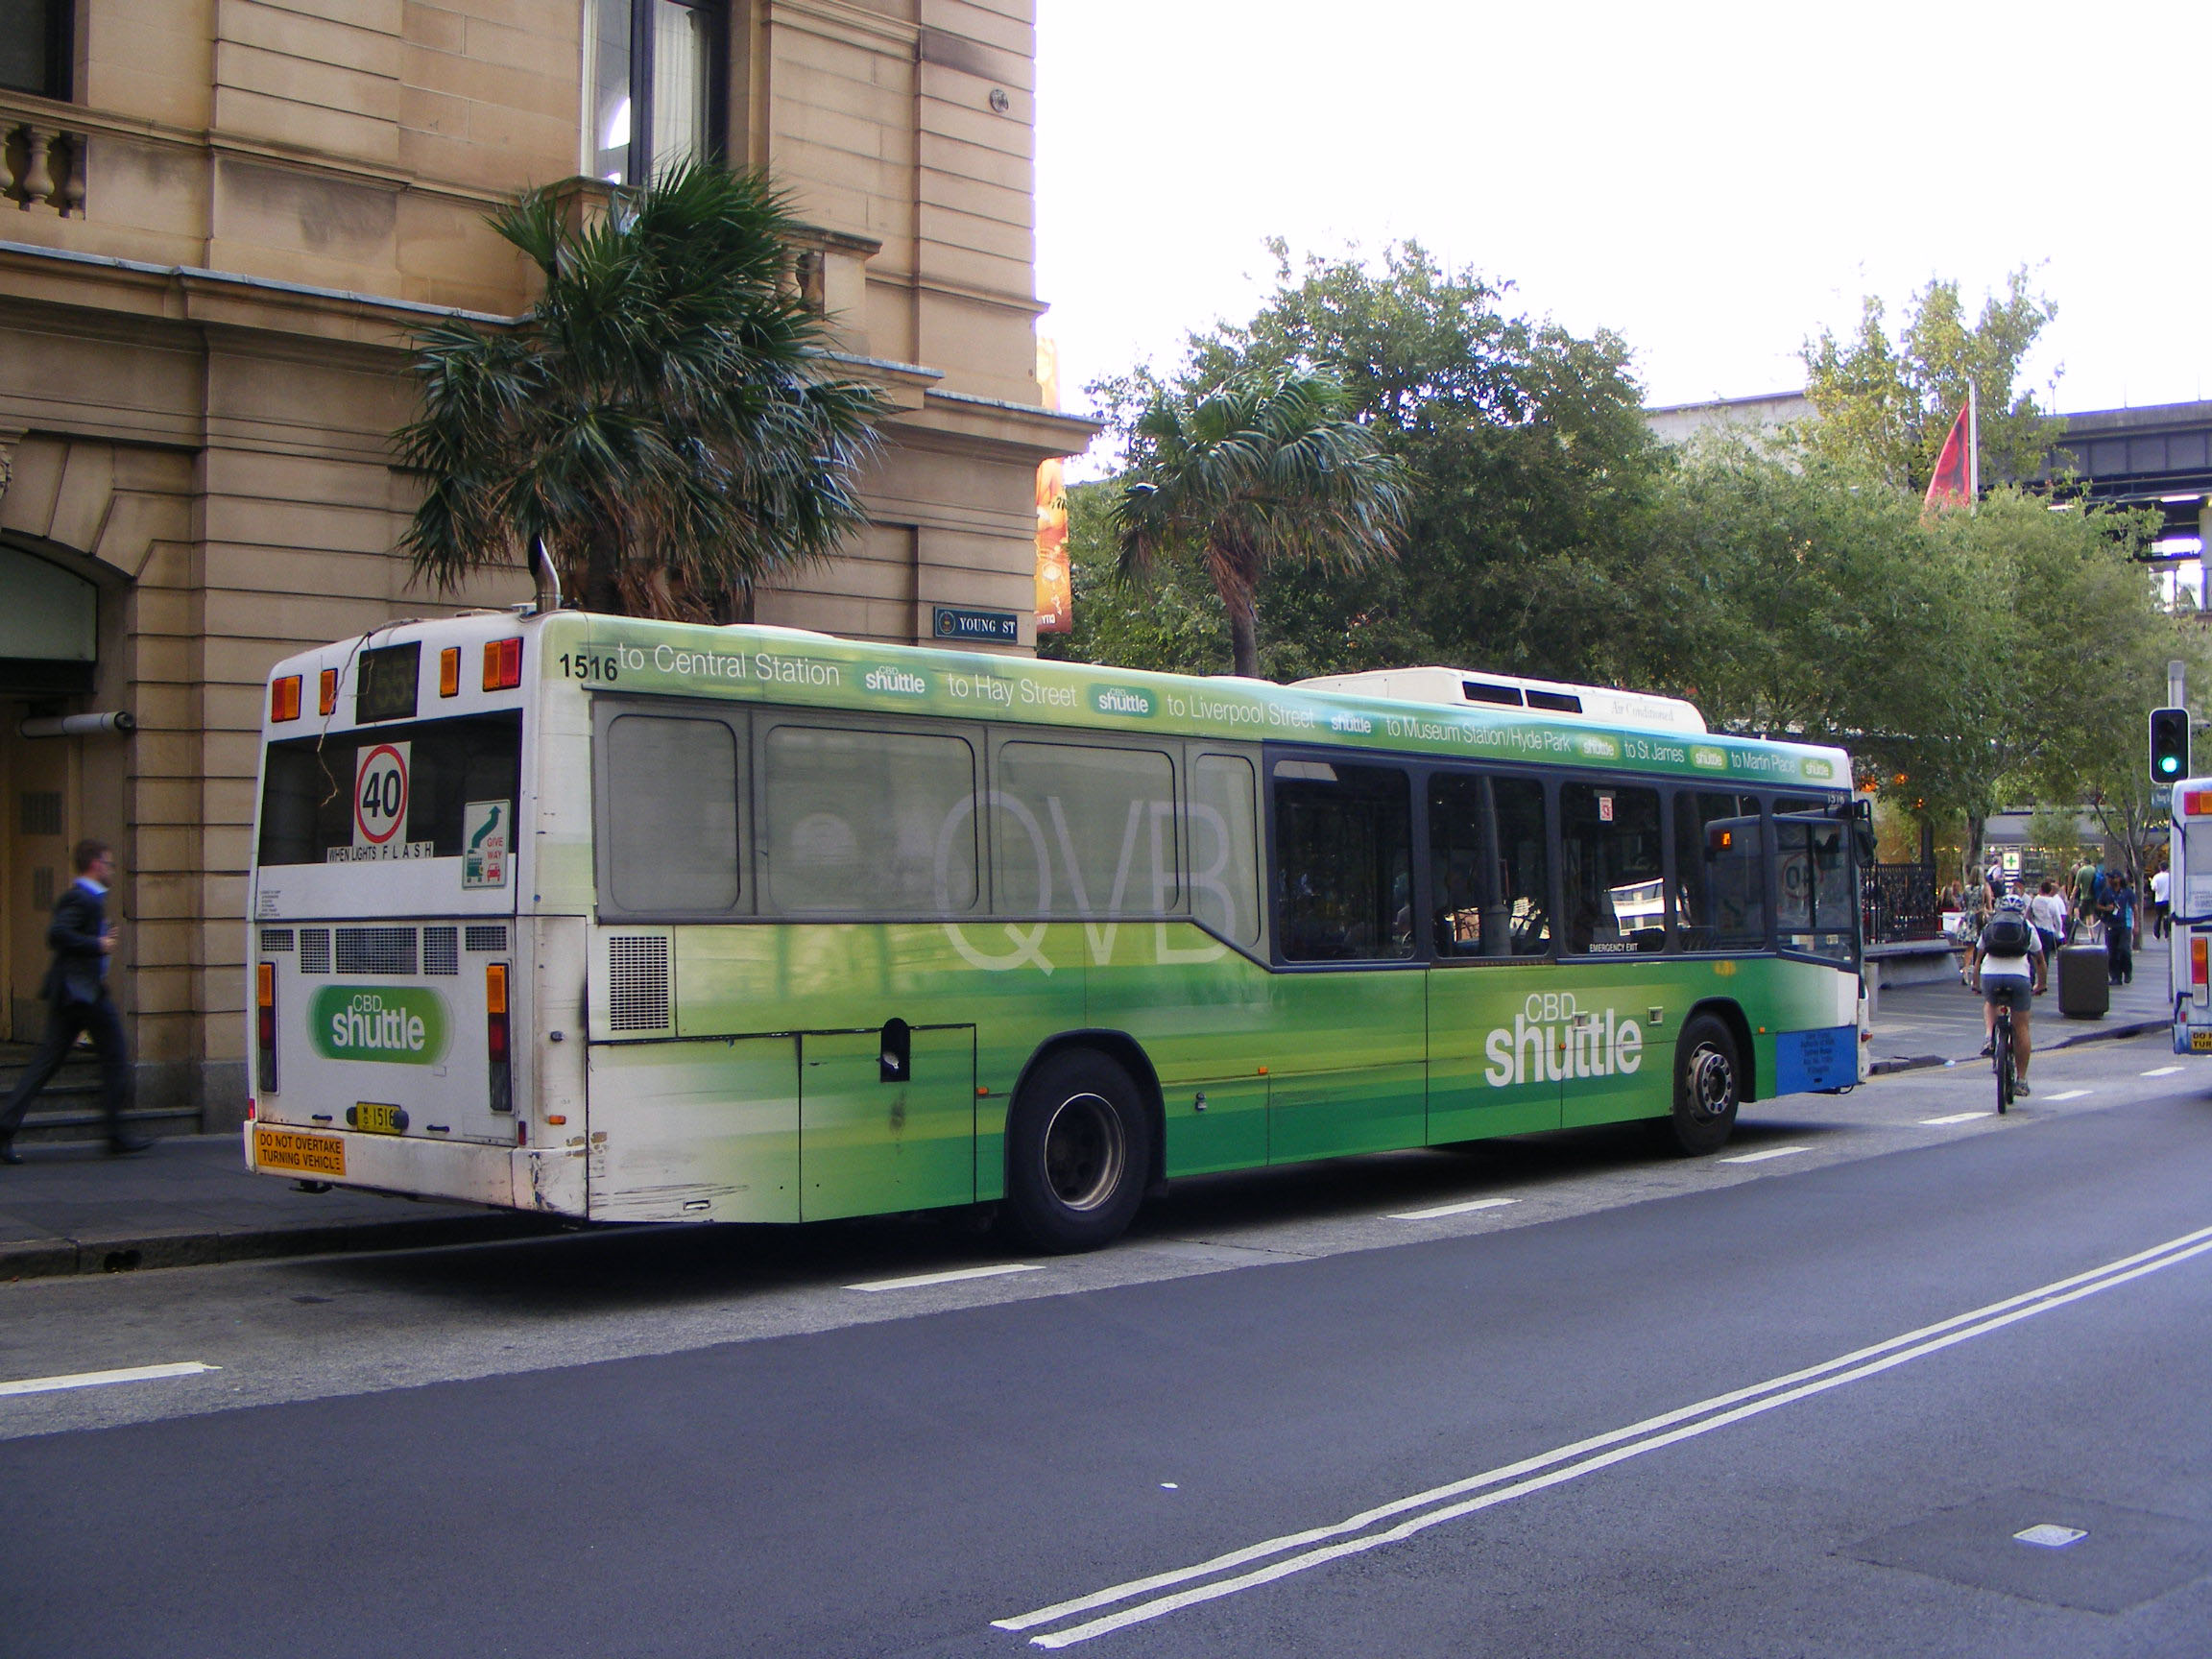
x: 1708, y: 1083
x: 1078, y: 1153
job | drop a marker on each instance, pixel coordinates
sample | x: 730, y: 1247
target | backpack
x: 2006, y: 935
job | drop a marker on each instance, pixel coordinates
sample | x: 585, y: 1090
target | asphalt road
x: 1800, y: 1405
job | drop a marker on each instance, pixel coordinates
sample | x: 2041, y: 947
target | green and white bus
x: 635, y: 921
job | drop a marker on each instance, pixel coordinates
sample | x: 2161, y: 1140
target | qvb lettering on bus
x: 1545, y: 1044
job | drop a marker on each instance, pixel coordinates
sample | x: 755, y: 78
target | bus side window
x: 1719, y: 873
x: 1615, y: 879
x: 1490, y: 871
x: 1344, y: 852
x: 1084, y: 831
x: 1818, y: 905
x: 1224, y: 847
x: 671, y: 827
x: 870, y: 822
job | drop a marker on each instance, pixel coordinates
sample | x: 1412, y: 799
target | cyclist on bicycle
x: 2007, y: 966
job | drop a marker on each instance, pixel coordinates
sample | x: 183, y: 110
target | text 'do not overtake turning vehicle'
x: 638, y: 921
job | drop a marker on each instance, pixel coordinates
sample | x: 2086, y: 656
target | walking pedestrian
x: 2161, y: 883
x: 2047, y: 915
x: 2120, y: 933
x: 83, y: 941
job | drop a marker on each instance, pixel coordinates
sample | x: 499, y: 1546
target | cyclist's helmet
x: 2012, y: 901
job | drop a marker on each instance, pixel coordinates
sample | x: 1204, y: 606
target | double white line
x: 1142, y: 1599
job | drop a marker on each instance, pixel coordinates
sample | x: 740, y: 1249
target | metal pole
x: 2176, y: 684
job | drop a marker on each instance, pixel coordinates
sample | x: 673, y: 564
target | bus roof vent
x: 1603, y: 705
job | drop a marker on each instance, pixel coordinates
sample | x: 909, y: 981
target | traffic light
x: 2169, y: 745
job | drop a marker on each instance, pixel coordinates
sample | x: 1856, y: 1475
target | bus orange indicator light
x: 265, y: 985
x: 2196, y: 802
x: 557, y: 1119
x: 284, y: 698
x: 502, y: 665
x: 450, y: 671
x: 327, y: 702
x: 495, y: 988
x: 982, y: 1093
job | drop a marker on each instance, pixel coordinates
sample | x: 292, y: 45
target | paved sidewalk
x: 1927, y: 1025
x: 71, y: 1209
x: 189, y: 1199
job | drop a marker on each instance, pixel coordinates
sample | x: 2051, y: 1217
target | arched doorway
x: 49, y: 661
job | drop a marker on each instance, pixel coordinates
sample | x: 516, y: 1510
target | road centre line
x: 1954, y: 1118
x: 1467, y: 1209
x: 914, y: 1281
x: 101, y: 1379
x: 1762, y: 1157
x: 2159, y: 1071
x: 2069, y: 1095
x: 1598, y: 1451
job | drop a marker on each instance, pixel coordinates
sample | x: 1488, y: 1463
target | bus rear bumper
x: 547, y: 1180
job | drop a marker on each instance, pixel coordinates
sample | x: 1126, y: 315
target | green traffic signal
x: 2169, y: 744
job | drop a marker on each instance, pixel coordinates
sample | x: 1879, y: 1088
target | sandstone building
x: 217, y: 220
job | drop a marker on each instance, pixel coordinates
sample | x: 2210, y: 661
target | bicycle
x: 2001, y: 1056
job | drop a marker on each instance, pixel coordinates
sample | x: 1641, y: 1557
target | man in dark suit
x: 83, y: 941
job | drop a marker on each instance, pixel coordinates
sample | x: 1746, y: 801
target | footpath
x: 69, y: 1208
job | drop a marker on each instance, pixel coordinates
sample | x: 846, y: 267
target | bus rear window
x: 422, y: 777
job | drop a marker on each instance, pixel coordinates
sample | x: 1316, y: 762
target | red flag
x: 1953, y: 485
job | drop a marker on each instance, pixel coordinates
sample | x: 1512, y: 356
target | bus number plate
x: 375, y: 1118
x: 296, y: 1150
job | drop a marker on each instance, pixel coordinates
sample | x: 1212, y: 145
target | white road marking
x: 916, y: 1281
x: 2068, y: 1095
x: 1954, y: 1117
x: 101, y: 1379
x: 1762, y: 1157
x: 2160, y: 1071
x: 1582, y: 1458
x: 1467, y: 1209
x: 2050, y: 1535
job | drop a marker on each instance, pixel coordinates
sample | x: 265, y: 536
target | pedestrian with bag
x: 83, y: 941
x: 2119, y: 933
x: 2007, y: 966
x: 2047, y: 915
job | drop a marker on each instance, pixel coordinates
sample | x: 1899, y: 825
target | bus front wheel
x: 1078, y: 1148
x: 1707, y: 1087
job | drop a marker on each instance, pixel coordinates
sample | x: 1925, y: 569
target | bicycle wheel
x: 2000, y: 1052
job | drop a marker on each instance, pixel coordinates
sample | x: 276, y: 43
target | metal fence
x: 1898, y: 902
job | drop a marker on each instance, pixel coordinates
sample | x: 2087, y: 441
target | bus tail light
x: 2198, y: 946
x: 502, y: 665
x: 327, y: 701
x: 450, y: 671
x: 284, y: 698
x: 496, y: 1044
x: 265, y: 1024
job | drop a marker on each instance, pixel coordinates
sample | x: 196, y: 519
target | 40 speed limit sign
x: 380, y: 795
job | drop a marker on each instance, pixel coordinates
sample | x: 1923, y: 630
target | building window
x: 653, y: 86
x: 35, y: 46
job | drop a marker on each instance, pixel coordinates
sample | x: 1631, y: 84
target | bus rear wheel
x: 1707, y: 1089
x: 1078, y: 1153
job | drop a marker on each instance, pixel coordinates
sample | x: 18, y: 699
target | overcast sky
x: 1714, y: 181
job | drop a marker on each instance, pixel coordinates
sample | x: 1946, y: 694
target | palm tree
x: 660, y: 418
x: 1264, y: 466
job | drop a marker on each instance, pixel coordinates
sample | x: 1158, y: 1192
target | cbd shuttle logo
x: 398, y: 1025
x: 1545, y: 1044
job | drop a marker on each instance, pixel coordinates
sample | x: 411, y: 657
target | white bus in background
x: 2189, y: 902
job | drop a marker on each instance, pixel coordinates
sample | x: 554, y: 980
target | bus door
x: 1618, y: 992
x: 1495, y: 1037
x: 1818, y: 855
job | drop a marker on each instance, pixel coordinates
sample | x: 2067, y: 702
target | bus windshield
x: 311, y: 813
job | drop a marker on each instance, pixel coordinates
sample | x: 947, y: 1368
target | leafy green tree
x: 1261, y: 468
x: 660, y: 418
x: 1526, y: 451
x: 1887, y: 407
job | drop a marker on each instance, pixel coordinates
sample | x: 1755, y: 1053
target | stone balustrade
x: 41, y: 166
